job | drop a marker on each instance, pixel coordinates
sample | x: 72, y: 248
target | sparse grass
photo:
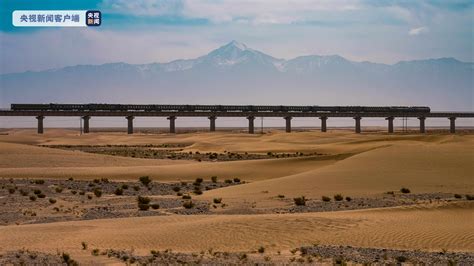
x: 214, y: 179
x: 325, y: 198
x: 338, y: 197
x: 188, y: 204
x: 145, y: 180
x: 217, y: 200
x: 300, y: 201
x: 405, y: 190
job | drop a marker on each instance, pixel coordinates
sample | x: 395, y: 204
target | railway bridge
x: 250, y: 112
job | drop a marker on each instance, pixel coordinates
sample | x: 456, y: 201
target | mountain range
x: 237, y: 74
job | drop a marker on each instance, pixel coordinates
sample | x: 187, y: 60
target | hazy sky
x: 144, y: 31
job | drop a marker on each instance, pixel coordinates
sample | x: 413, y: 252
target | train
x: 217, y: 108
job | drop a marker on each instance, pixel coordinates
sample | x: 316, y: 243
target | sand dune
x: 428, y: 228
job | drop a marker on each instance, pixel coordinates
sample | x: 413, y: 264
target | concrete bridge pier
x: 323, y: 123
x: 251, y: 126
x: 288, y: 123
x: 130, y: 124
x: 86, y: 123
x: 212, y: 126
x: 172, y: 124
x: 357, y: 124
x: 452, y: 125
x: 422, y: 124
x: 40, y: 119
x: 390, y: 124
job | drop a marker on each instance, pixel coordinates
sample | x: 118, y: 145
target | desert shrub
x: 199, y: 180
x: 176, y: 189
x: 401, y: 259
x: 41, y: 196
x: 82, y: 192
x: 23, y: 192
x: 84, y: 245
x: 143, y: 200
x: 338, y: 197
x: 98, y: 192
x: 179, y: 194
x: 37, y: 191
x: 348, y: 198
x: 217, y: 200
x: 405, y: 190
x: 155, y: 206
x: 228, y: 181
x: 188, y: 204
x: 52, y: 201
x: 261, y: 250
x: 326, y: 199
x: 104, y: 180
x: 66, y: 258
x: 136, y: 188
x: 197, y: 191
x: 118, y: 191
x: 214, y: 179
x: 184, y: 183
x: 145, y: 180
x: 39, y: 181
x: 457, y: 196
x: 11, y: 190
x: 97, y: 181
x: 32, y: 197
x: 89, y: 196
x: 73, y: 192
x: 237, y: 180
x: 143, y: 207
x: 186, y: 197
x: 300, y: 201
x: 281, y: 196
x: 124, y: 186
x: 95, y: 252
x: 469, y: 197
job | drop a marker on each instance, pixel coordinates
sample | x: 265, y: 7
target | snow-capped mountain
x: 237, y: 74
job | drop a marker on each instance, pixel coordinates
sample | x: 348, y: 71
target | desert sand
x: 356, y: 165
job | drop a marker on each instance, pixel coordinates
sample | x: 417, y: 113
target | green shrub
x: 118, y: 191
x: 98, y: 192
x: 188, y: 204
x: 143, y: 200
x: 143, y: 207
x: 405, y: 190
x: 326, y: 199
x: 214, y: 179
x: 300, y: 201
x: 338, y: 197
x: 145, y: 180
x: 217, y: 200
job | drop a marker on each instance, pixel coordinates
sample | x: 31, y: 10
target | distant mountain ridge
x: 235, y: 73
